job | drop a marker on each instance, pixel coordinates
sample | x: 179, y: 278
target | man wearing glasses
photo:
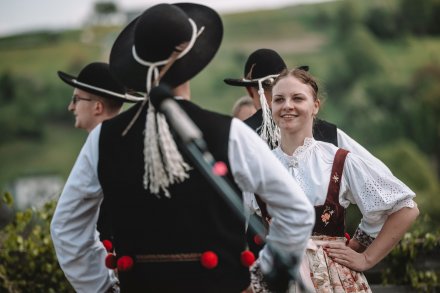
x: 96, y: 97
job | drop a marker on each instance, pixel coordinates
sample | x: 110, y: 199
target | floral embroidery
x: 335, y: 178
x: 326, y: 215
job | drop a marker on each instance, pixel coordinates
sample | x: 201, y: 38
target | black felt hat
x: 261, y: 63
x: 150, y: 39
x: 95, y: 78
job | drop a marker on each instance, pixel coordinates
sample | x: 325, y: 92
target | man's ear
x: 99, y: 107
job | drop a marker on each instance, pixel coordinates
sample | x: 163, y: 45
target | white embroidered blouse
x: 375, y: 190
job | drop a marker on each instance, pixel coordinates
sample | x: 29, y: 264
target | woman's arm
x: 392, y: 231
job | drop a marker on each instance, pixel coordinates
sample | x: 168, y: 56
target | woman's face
x: 293, y: 105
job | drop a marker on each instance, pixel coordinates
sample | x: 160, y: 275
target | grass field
x: 55, y: 154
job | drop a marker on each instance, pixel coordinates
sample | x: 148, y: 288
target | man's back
x: 192, y: 221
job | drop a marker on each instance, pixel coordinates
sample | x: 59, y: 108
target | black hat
x: 95, y: 78
x: 149, y: 40
x: 260, y: 64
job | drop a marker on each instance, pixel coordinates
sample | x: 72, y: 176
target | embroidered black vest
x: 194, y: 220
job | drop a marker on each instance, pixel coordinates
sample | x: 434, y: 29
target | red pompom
x: 347, y: 236
x: 247, y: 258
x: 125, y: 263
x: 220, y: 169
x: 110, y: 261
x: 108, y: 245
x: 209, y: 260
x: 258, y: 240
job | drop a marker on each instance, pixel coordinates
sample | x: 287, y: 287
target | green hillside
x: 379, y: 77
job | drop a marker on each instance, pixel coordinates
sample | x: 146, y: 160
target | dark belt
x: 180, y: 257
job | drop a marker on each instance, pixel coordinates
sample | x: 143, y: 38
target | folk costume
x: 173, y: 233
x: 351, y: 180
x: 95, y: 78
x: 260, y: 70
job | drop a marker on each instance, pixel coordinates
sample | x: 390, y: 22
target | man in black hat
x: 97, y: 96
x: 173, y: 232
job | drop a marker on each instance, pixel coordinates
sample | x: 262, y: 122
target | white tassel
x: 175, y: 165
x: 164, y: 165
x: 155, y: 177
x: 269, y: 131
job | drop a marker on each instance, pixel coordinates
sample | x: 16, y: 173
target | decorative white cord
x: 115, y: 94
x: 153, y: 66
x: 269, y: 131
x: 163, y: 163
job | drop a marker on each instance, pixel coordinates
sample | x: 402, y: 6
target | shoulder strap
x: 336, y: 175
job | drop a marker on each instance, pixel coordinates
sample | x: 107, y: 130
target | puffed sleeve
x: 377, y: 192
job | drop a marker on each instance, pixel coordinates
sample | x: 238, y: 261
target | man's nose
x: 71, y: 107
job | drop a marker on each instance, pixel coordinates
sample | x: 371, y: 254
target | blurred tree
x: 27, y: 259
x: 383, y: 20
x: 7, y: 91
x: 19, y: 113
x: 421, y: 17
x: 424, y: 120
x: 348, y: 17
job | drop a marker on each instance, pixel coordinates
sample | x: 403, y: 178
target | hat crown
x: 159, y: 30
x: 95, y: 78
x: 263, y: 62
x: 95, y: 73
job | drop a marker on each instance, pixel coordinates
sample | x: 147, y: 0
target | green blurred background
x: 378, y: 63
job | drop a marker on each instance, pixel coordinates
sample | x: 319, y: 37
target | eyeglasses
x: 76, y: 98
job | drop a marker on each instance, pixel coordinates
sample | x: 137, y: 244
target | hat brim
x: 240, y: 82
x: 133, y: 75
x: 72, y: 81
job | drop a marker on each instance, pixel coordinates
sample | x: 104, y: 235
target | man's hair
x: 241, y: 102
x: 112, y: 104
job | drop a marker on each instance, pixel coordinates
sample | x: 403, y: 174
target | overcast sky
x: 24, y: 15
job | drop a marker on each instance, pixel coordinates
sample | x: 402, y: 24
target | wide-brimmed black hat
x: 95, y: 78
x: 260, y: 64
x: 150, y: 39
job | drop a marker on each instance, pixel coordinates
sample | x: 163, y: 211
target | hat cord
x: 269, y: 131
x: 163, y: 163
x: 115, y: 94
x: 153, y: 66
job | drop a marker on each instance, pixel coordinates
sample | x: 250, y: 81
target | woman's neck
x: 291, y: 141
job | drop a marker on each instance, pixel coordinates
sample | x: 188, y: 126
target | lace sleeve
x: 377, y: 193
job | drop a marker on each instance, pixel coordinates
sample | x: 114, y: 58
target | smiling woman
x: 333, y: 178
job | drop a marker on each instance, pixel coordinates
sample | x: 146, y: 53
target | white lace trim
x: 382, y: 193
x: 288, y: 159
x: 292, y: 162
